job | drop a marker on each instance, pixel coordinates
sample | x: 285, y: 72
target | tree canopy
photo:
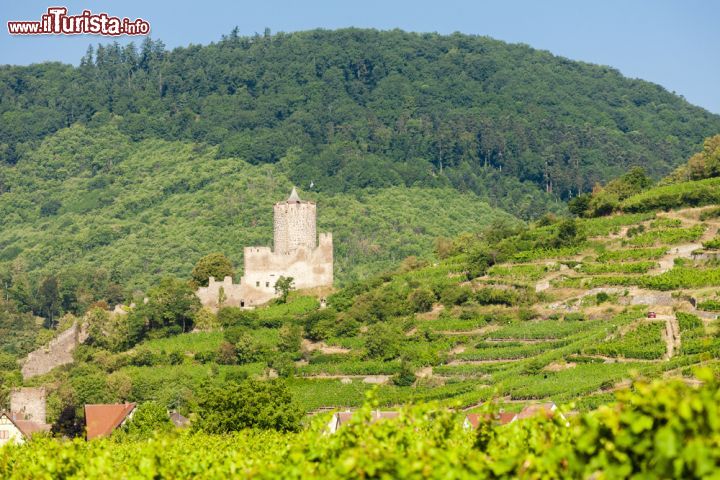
x: 214, y: 265
x: 249, y: 404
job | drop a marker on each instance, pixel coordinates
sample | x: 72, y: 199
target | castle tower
x: 294, y: 224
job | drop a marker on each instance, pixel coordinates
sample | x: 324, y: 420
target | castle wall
x: 29, y: 403
x: 309, y: 268
x: 58, y: 352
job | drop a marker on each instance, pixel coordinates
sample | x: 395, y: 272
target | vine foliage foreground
x: 663, y: 429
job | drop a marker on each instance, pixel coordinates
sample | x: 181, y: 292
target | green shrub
x: 713, y: 244
x: 144, y: 357
x: 631, y: 254
x: 250, y: 404
x: 234, y: 316
x: 455, y: 295
x: 227, y: 354
x: 383, y: 341
x: 320, y: 324
x: 710, y: 213
x: 625, y: 267
x: 147, y: 418
x: 668, y: 236
x: 406, y: 376
x: 214, y: 265
x: 421, y: 300
x: 686, y: 194
x: 233, y: 334
x: 709, y: 305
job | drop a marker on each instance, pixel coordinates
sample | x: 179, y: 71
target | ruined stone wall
x: 294, y: 226
x: 29, y: 403
x: 58, y: 352
x: 652, y: 299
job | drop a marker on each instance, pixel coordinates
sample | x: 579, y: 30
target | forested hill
x: 363, y: 108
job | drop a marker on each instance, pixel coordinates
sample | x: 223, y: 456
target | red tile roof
x: 102, y: 419
x: 474, y: 419
x: 506, y: 417
x: 502, y: 418
x: 547, y: 409
x: 26, y: 427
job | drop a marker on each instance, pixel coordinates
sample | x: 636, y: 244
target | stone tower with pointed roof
x: 297, y: 253
x: 294, y: 224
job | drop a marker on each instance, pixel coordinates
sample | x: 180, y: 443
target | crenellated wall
x: 308, y: 268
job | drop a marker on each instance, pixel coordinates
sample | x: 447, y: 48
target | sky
x: 673, y: 43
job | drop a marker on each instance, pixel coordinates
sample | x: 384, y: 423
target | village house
x: 13, y: 428
x: 180, y: 421
x: 341, y: 418
x: 547, y: 409
x: 26, y: 415
x: 102, y: 419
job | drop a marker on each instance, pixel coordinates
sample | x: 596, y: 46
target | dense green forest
x: 162, y: 205
x: 139, y: 161
x: 364, y: 108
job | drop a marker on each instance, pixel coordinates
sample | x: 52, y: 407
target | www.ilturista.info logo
x: 57, y: 21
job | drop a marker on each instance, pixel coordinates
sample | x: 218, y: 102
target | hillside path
x: 671, y: 335
x: 685, y: 250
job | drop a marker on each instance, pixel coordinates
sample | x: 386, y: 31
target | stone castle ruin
x: 58, y: 352
x: 28, y: 403
x: 297, y: 253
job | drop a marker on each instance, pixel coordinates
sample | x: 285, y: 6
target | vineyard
x: 655, y: 430
x: 558, y: 313
x: 568, y: 323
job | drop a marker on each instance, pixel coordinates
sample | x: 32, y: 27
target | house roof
x: 531, y: 410
x: 506, y: 417
x: 502, y: 418
x: 26, y: 427
x: 473, y: 419
x: 179, y: 420
x: 344, y: 417
x: 102, y: 419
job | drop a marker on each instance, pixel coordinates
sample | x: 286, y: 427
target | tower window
x: 257, y: 284
x: 267, y: 284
